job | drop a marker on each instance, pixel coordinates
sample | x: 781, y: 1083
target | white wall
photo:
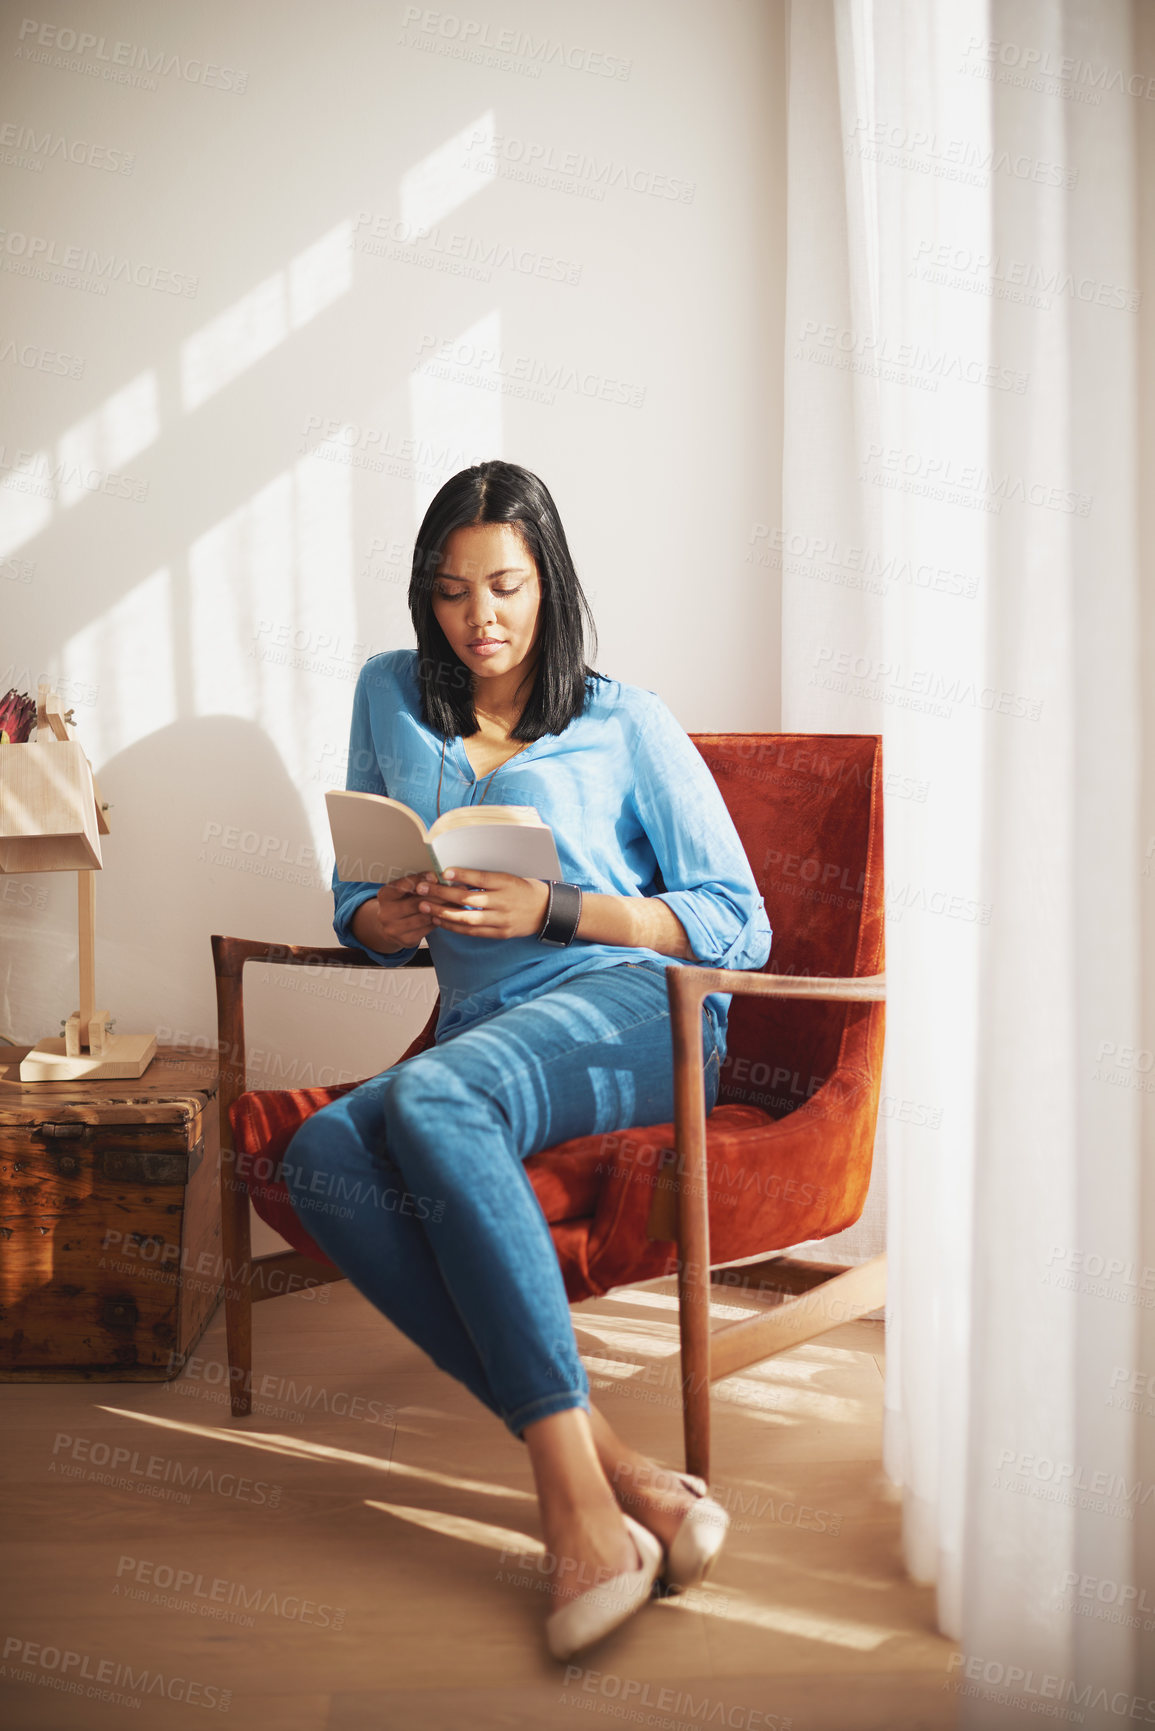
x: 209, y: 497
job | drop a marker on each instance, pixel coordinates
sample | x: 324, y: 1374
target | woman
x: 554, y: 1016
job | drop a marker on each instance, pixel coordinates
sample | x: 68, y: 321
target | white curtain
x: 965, y: 570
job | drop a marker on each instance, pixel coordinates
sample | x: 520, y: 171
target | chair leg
x: 236, y: 1242
x: 693, y: 1222
x: 694, y: 1327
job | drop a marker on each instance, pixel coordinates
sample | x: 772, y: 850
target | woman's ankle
x: 588, y: 1549
x: 570, y: 1503
x: 637, y: 1479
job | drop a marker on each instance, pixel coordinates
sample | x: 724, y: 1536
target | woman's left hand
x: 490, y: 905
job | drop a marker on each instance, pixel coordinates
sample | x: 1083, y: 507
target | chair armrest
x: 695, y: 983
x: 229, y: 958
x: 231, y: 954
x: 687, y: 988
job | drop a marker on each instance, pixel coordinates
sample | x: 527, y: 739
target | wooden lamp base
x: 121, y: 1055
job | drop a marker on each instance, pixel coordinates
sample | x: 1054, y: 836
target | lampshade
x: 48, y: 808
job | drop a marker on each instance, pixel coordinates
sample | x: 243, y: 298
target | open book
x: 376, y: 839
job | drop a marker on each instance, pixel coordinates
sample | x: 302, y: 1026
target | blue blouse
x: 634, y: 811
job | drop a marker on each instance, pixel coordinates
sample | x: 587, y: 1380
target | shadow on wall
x: 208, y: 834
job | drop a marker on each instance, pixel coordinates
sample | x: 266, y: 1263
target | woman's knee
x: 336, y: 1136
x: 430, y: 1111
x: 409, y: 1107
x: 423, y: 1090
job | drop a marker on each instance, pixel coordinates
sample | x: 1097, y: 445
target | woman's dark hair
x: 498, y: 492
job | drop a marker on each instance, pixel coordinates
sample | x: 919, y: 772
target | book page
x: 471, y: 814
x: 375, y: 839
x: 528, y: 851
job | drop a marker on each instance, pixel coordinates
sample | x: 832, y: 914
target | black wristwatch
x: 562, y: 915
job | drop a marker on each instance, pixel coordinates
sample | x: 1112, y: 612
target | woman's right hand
x: 393, y: 920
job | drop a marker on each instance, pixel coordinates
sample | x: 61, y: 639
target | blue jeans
x: 413, y: 1183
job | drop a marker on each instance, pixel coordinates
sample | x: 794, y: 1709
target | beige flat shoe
x: 699, y: 1538
x: 587, y: 1618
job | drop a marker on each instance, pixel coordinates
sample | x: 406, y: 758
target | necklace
x: 487, y: 778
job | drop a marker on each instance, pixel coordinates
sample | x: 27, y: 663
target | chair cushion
x: 595, y: 1191
x: 264, y: 1122
x: 567, y: 1179
x: 773, y: 1183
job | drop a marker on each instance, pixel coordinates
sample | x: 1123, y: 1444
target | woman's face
x: 487, y: 600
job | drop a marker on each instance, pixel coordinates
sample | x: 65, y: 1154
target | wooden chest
x: 110, y: 1235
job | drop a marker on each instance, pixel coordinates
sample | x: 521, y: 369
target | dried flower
x: 17, y: 717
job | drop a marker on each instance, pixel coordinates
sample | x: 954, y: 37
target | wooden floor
x: 359, y: 1554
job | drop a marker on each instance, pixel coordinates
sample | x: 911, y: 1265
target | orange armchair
x: 784, y: 1158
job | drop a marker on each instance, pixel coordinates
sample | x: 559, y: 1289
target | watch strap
x: 562, y: 915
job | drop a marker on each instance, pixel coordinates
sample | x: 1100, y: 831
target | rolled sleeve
x: 706, y: 876
x: 363, y: 776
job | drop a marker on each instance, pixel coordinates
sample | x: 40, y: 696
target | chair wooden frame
x: 837, y: 1295
x: 823, y: 1295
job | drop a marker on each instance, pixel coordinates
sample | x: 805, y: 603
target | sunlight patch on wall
x: 448, y: 175
x: 89, y: 459
x: 271, y: 620
x: 103, y: 442
x: 455, y: 398
x: 25, y: 503
x: 261, y: 319
x: 327, y: 607
x: 250, y: 328
x: 240, y: 583
x: 126, y: 656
